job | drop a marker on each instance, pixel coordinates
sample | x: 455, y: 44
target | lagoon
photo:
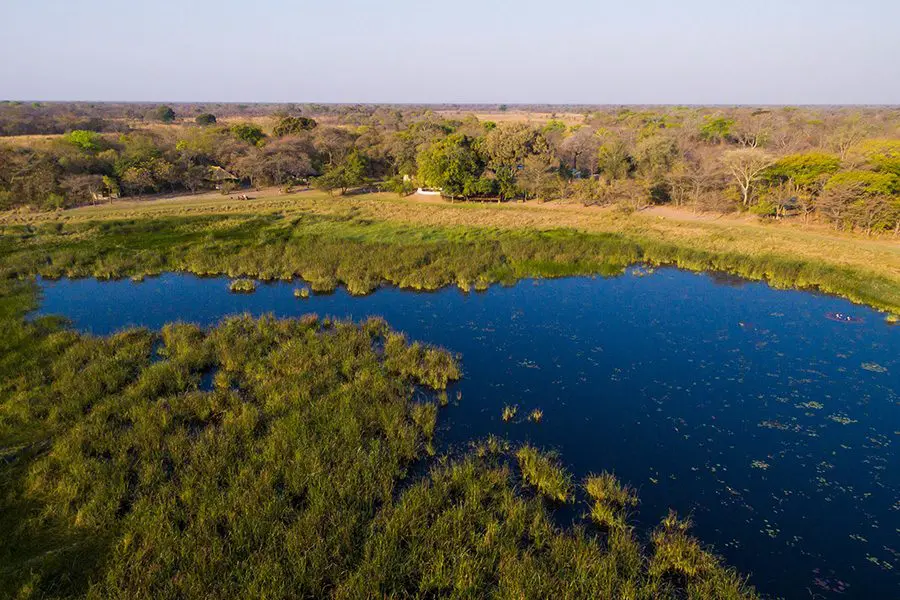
x: 757, y: 411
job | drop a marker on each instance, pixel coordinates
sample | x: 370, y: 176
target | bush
x: 206, y: 119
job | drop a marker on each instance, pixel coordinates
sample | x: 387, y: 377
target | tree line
x: 836, y: 166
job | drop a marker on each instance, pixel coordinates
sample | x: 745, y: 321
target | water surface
x: 773, y: 425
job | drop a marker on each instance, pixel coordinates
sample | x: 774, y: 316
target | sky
x: 455, y: 51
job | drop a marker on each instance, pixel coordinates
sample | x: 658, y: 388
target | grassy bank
x: 365, y: 241
x: 267, y: 458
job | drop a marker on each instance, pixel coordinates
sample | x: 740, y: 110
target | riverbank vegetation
x: 839, y: 167
x: 276, y: 458
x: 367, y: 240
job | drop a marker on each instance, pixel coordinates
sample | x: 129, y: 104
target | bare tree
x: 579, y: 150
x: 746, y: 165
x: 754, y: 130
x: 872, y: 212
x: 847, y: 135
x: 835, y: 203
x: 82, y: 188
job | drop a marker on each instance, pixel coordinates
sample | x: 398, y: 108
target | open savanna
x: 516, y: 116
x: 425, y: 244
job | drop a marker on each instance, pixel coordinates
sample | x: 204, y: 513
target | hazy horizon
x: 649, y: 52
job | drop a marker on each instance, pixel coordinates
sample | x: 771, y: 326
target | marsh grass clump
x: 302, y: 293
x: 892, y: 319
x: 433, y: 366
x: 611, y: 500
x: 242, y: 286
x: 424, y: 414
x: 490, y: 446
x: 543, y: 472
x: 509, y: 412
x: 675, y: 553
x: 536, y: 415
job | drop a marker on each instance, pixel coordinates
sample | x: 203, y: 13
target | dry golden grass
x: 513, y: 115
x: 30, y: 141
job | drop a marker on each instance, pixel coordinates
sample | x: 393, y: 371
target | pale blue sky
x: 528, y: 51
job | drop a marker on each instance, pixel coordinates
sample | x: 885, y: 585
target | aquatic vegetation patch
x: 242, y: 286
x: 509, y: 412
x: 842, y: 419
x: 812, y: 404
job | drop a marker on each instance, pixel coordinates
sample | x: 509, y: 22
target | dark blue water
x: 774, y: 426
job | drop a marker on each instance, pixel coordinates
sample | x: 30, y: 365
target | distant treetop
x: 293, y: 126
x: 164, y: 113
x: 206, y: 119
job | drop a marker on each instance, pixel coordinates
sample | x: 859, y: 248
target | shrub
x: 206, y: 119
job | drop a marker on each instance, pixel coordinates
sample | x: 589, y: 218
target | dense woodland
x: 839, y: 166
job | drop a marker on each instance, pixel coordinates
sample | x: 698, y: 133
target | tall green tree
x: 452, y: 164
x: 164, y: 113
x: 614, y: 160
x: 348, y: 173
x: 248, y: 132
x: 716, y: 129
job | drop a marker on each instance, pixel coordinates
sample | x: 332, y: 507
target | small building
x: 218, y: 176
x: 104, y: 195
